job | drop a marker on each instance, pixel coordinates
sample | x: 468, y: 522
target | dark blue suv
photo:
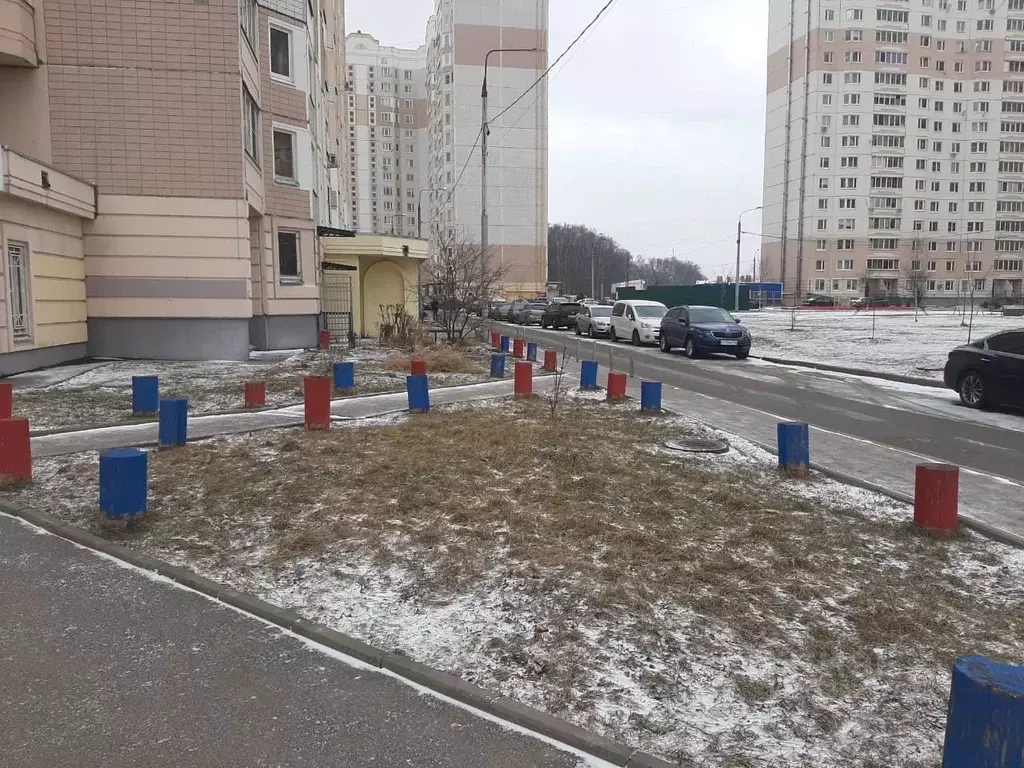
x: 702, y: 330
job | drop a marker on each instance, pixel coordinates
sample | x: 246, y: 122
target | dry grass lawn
x: 714, y: 612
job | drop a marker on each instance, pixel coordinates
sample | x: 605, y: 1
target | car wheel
x: 578, y: 331
x: 636, y: 338
x: 590, y: 331
x: 742, y: 354
x: 665, y: 346
x: 972, y: 390
x: 691, y: 349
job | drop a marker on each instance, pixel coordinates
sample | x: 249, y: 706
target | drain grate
x: 697, y: 445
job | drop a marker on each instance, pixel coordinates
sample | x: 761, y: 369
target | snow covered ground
x: 98, y: 393
x: 888, y: 341
x: 698, y: 607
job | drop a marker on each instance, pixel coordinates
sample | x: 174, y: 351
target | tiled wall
x: 144, y: 96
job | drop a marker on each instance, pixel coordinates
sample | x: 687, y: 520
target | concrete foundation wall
x: 43, y: 357
x: 154, y: 338
x: 284, y: 331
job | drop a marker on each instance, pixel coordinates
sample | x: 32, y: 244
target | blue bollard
x: 124, y: 479
x: 145, y: 395
x: 344, y: 375
x: 506, y: 343
x: 173, y: 422
x: 418, y: 388
x: 985, y: 721
x: 588, y: 374
x: 794, y: 447
x: 498, y: 365
x: 650, y: 396
x: 531, y: 352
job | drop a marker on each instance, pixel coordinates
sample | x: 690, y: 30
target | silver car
x: 532, y: 313
x: 594, y: 320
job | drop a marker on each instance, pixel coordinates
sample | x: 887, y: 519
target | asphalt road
x: 103, y: 666
x: 884, y: 423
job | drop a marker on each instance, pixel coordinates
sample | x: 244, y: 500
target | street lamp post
x: 739, y: 239
x: 484, y: 233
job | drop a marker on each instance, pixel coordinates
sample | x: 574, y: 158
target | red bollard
x: 937, y: 497
x: 616, y: 386
x: 317, y: 391
x: 524, y: 380
x: 255, y: 394
x: 418, y: 366
x: 15, y: 449
x: 6, y: 400
x: 550, y: 360
x: 325, y: 339
x: 495, y: 339
x: 517, y: 348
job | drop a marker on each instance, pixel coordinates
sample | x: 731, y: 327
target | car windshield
x: 601, y: 311
x: 650, y: 310
x: 710, y: 315
x: 539, y: 306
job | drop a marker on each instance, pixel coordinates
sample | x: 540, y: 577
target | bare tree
x: 464, y: 281
x: 972, y: 278
x: 559, y: 389
x: 917, y: 284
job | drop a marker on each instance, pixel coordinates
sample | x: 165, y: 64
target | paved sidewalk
x: 210, y: 426
x: 103, y: 665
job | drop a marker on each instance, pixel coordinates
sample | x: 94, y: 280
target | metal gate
x: 336, y: 300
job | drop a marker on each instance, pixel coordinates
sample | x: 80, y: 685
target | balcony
x: 18, y: 34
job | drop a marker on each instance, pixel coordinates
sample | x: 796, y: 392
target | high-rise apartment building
x: 386, y: 135
x: 459, y: 37
x: 894, y: 152
x: 165, y: 169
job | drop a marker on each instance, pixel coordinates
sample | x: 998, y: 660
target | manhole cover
x: 697, y: 445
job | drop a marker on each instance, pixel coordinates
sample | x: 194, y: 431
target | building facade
x: 386, y: 134
x: 894, y: 149
x: 209, y: 133
x: 459, y: 36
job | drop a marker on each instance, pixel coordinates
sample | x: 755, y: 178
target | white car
x: 637, y: 321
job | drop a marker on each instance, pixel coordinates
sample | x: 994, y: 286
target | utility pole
x: 593, y: 285
x: 484, y: 131
x: 739, y: 240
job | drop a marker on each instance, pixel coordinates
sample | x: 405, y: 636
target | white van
x: 637, y: 321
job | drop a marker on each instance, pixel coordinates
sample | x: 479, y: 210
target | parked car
x: 560, y: 314
x: 820, y: 301
x: 500, y: 311
x: 514, y: 310
x: 989, y: 372
x: 594, y: 320
x: 865, y: 302
x: 702, y: 330
x: 637, y: 320
x: 532, y: 313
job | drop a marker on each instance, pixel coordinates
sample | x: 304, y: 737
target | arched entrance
x: 383, y: 285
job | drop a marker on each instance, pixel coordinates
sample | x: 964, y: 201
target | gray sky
x: 657, y: 118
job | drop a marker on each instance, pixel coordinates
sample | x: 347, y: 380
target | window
x: 251, y: 116
x: 822, y: 245
x: 828, y: 57
x: 854, y: 35
x: 288, y: 264
x: 284, y: 156
x: 883, y: 264
x: 1012, y: 343
x: 17, y: 264
x: 830, y: 36
x: 854, y: 14
x: 851, y: 141
x: 844, y: 245
x: 851, y: 77
x: 853, y: 57
x: 845, y: 265
x: 280, y: 52
x: 249, y: 21
x: 819, y: 265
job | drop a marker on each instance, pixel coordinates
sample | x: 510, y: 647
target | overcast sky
x: 657, y: 118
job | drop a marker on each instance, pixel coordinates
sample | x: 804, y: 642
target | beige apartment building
x: 386, y: 134
x: 165, y: 169
x: 894, y: 151
x: 460, y: 35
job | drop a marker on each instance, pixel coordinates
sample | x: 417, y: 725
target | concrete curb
x: 402, y: 666
x: 922, y: 382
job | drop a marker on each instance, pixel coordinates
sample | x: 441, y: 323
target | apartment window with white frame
x: 18, y: 272
x: 289, y: 265
x: 285, y: 169
x: 251, y: 116
x: 281, y: 64
x: 249, y: 21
